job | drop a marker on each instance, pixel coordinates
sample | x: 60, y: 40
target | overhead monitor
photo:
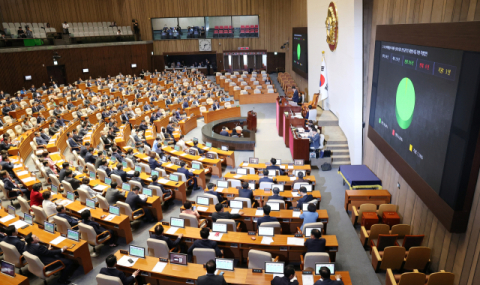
x: 28, y: 77
x: 300, y: 51
x: 85, y: 70
x: 134, y: 65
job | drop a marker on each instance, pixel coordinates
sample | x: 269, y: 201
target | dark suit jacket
x: 265, y: 179
x: 71, y: 220
x: 224, y: 215
x: 117, y: 273
x: 122, y: 174
x: 220, y: 198
x: 245, y: 193
x: 96, y: 226
x: 205, y: 243
x: 134, y: 200
x: 305, y: 199
x: 315, y: 245
x: 211, y: 279
x: 283, y: 281
x: 89, y: 158
x: 328, y: 282
x: 276, y: 197
x: 83, y: 151
x: 275, y: 167
x: 15, y: 241
x: 62, y: 174
x: 153, y: 163
x: 45, y: 255
x: 185, y: 171
x: 171, y: 244
x: 266, y: 219
x: 113, y: 195
x: 74, y: 182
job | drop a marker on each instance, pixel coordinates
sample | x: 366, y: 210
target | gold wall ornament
x: 331, y: 24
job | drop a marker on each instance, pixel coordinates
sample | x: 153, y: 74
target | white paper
x: 28, y: 179
x: 58, y: 240
x: 100, y: 187
x: 282, y: 166
x: 159, y: 267
x: 259, y: 212
x: 267, y: 240
x: 131, y: 172
x: 213, y: 236
x: 293, y: 178
x: 6, y: 218
x: 18, y: 224
x: 290, y: 167
x: 307, y: 279
x: 86, y: 208
x: 109, y: 217
x: 64, y: 202
x: 277, y: 275
x: 202, y: 209
x: 244, y: 164
x: 201, y: 158
x: 295, y: 194
x: 163, y: 181
x: 296, y: 214
x: 171, y: 230
x: 183, y: 154
x: 234, y: 211
x: 17, y: 165
x: 237, y: 176
x: 142, y: 196
x: 295, y: 241
x: 219, y: 189
x: 20, y: 173
x: 169, y: 165
x: 124, y: 261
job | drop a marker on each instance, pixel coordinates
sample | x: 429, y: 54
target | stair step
x: 326, y: 118
x: 340, y: 152
x: 340, y: 157
x: 336, y: 146
x: 339, y: 163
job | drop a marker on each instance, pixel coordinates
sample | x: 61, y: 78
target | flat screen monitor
x: 308, y: 187
x: 173, y: 177
x: 140, y: 149
x: 28, y: 219
x: 208, y: 144
x: 274, y: 206
x: 280, y: 187
x: 138, y: 168
x: 93, y: 175
x: 125, y: 186
x: 305, y: 206
x: 90, y: 203
x: 253, y: 160
x: 8, y: 268
x: 224, y: 148
x: 108, y: 181
x: 195, y: 140
x: 71, y: 196
x: 85, y: 70
x: 272, y: 172
x: 278, y: 162
x: 224, y: 264
x: 113, y: 159
x: 154, y: 172
x: 236, y: 204
x: 298, y: 162
x: 274, y: 267
x: 178, y: 258
x: 308, y: 231
x: 54, y: 189
x: 177, y: 148
x: 242, y: 171
x: 147, y: 192
x: 114, y: 210
x: 164, y: 158
x: 209, y: 155
x: 251, y: 185
x: 205, y: 201
x: 28, y: 77
x: 300, y: 51
x: 196, y: 166
x: 222, y: 184
x: 11, y: 210
x: 266, y: 231
x: 177, y: 222
x: 329, y: 265
x: 136, y: 251
x: 219, y: 227
x: 73, y: 235
x: 49, y: 227
x: 124, y: 164
x: 134, y: 65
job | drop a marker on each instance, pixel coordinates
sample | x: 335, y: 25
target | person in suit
x: 168, y: 192
x: 39, y: 140
x: 265, y: 177
x: 88, y: 220
x: 299, y: 179
x: 210, y: 278
x: 195, y: 145
x: 83, y: 131
x: 52, y: 130
x: 89, y: 157
x: 224, y: 132
x: 136, y: 177
x: 212, y: 192
x: 111, y: 270
x: 188, y: 175
x: 135, y: 202
x: 273, y: 161
x: 84, y: 149
x: 120, y: 172
x: 314, y: 138
x: 62, y: 213
x: 266, y: 218
x: 159, y: 235
x: 60, y: 122
x: 69, y: 178
x: 305, y: 197
x: 143, y: 126
x: 309, y: 216
x: 107, y: 141
x: 325, y: 278
x: 43, y: 132
x: 315, y: 243
x: 288, y: 278
x: 113, y: 194
x: 216, y: 105
x: 152, y: 161
x: 170, y: 129
x: 221, y: 214
x: 73, y: 144
x: 245, y: 192
x: 6, y: 143
x: 13, y: 239
x: 12, y: 188
x: 104, y: 166
x: 117, y: 154
x: 65, y: 166
x: 205, y: 243
x: 100, y: 156
x: 185, y: 103
x: 295, y: 98
x: 276, y: 195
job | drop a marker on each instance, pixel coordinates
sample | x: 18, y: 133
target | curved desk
x: 210, y: 134
x: 210, y: 116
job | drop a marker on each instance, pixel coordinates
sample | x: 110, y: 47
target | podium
x: 281, y: 109
x: 252, y: 121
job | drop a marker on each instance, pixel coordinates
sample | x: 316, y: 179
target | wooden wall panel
x: 457, y: 253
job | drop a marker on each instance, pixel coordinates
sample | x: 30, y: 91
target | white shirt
x: 65, y: 26
x: 181, y: 143
x: 89, y: 190
x: 49, y: 207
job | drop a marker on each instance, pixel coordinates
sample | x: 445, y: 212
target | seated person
x: 104, y: 166
x: 62, y: 213
x: 221, y: 214
x: 276, y: 195
x: 113, y: 194
x: 288, y: 278
x: 265, y: 177
x: 211, y: 278
x: 305, y: 197
x: 245, y: 192
x: 152, y: 161
x: 188, y: 210
x: 213, y: 192
x: 36, y: 197
x: 85, y: 186
x: 88, y: 220
x: 188, y: 175
x: 13, y: 239
x: 315, y: 243
x: 111, y: 270
x: 300, y: 179
x: 70, y: 179
x: 13, y: 189
x: 167, y: 192
x: 195, y: 145
x: 238, y: 132
x: 224, y: 132
x: 325, y: 278
x: 274, y: 166
x: 310, y: 216
x: 136, y: 177
x: 266, y: 216
x: 120, y: 172
x: 159, y: 235
x: 205, y: 243
x: 135, y: 202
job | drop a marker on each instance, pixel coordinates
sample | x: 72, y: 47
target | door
x: 58, y: 73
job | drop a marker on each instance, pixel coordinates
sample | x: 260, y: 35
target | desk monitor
x: 54, y: 189
x: 305, y: 207
x: 71, y: 196
x: 295, y: 172
x: 136, y: 251
x: 164, y: 158
x: 147, y: 192
x: 219, y: 227
x: 224, y: 264
x: 90, y: 203
x: 280, y: 187
x: 8, y: 268
x: 208, y: 144
x: 308, y: 187
x: 73, y: 235
x: 92, y: 175
x: 124, y: 164
x: 272, y: 172
x: 108, y: 181
x: 329, y: 265
x: 173, y: 177
x: 196, y: 165
x: 125, y: 186
x: 178, y: 258
x: 154, y: 172
x: 11, y: 210
x: 209, y: 155
x: 177, y: 222
x: 266, y: 231
x: 177, y: 148
x: 28, y: 219
x: 251, y: 185
x: 49, y: 227
x: 227, y: 99
x: 279, y: 161
x: 274, y: 267
x: 308, y: 231
x: 253, y: 160
x: 236, y: 204
x: 192, y: 151
x: 195, y: 140
x: 205, y: 201
x: 113, y: 159
x: 222, y: 184
x: 274, y: 206
x: 298, y: 162
x: 140, y: 149
x: 242, y: 171
x: 224, y: 148
x: 80, y: 168
x: 138, y: 168
x: 114, y: 210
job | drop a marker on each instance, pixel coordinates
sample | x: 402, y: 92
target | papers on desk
x: 244, y: 164
x: 6, y: 218
x: 163, y: 181
x: 63, y: 202
x: 131, y: 172
x: 86, y: 208
x: 295, y: 241
x: 304, y: 136
x: 290, y: 167
x: 17, y: 165
x: 20, y: 173
x: 124, y: 261
x: 18, y: 224
x: 282, y: 166
x: 172, y: 230
x: 296, y: 214
x: 183, y: 154
x: 205, y: 148
x: 159, y: 267
x: 259, y: 212
x: 267, y: 240
x: 201, y: 158
x: 293, y: 178
x: 169, y: 165
x: 28, y: 179
x: 220, y: 190
x: 307, y: 279
x: 142, y: 196
x: 202, y: 209
x: 295, y: 194
x: 238, y: 176
x: 58, y: 240
x: 215, y: 236
x: 100, y: 187
x: 301, y: 130
x: 234, y: 211
x: 109, y: 217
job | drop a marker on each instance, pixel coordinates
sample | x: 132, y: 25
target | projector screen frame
x: 460, y: 36
x: 299, y: 30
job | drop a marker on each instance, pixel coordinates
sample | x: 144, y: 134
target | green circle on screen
x: 405, y: 103
x: 298, y: 51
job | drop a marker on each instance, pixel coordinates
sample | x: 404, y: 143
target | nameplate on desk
x: 188, y: 240
x: 298, y: 235
x: 257, y: 270
x: 246, y: 219
x: 333, y: 248
x: 286, y: 220
x: 284, y: 248
x: 190, y: 281
x: 163, y: 259
x: 234, y: 245
x: 306, y: 272
x: 165, y: 223
x: 258, y: 198
x: 229, y: 195
x: 324, y: 220
x: 144, y: 273
x: 124, y: 251
x: 251, y: 233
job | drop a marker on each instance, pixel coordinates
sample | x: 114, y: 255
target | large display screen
x: 300, y: 51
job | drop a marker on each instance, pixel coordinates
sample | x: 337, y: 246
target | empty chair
x: 117, y: 179
x: 202, y: 255
x: 191, y: 221
x: 132, y: 215
x: 392, y: 258
x: 401, y: 230
x: 39, y: 215
x: 386, y: 208
x: 441, y: 278
x: 108, y: 280
x: 42, y: 271
x: 257, y: 258
x: 373, y: 233
x: 82, y: 195
x: 308, y: 262
x: 407, y: 278
x: 417, y: 258
x: 412, y: 240
x: 11, y: 254
x: 276, y: 225
x: 232, y: 226
x: 88, y: 233
x: 24, y: 205
x: 102, y: 203
x: 62, y: 225
x: 357, y: 214
x: 158, y: 248
x: 383, y: 241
